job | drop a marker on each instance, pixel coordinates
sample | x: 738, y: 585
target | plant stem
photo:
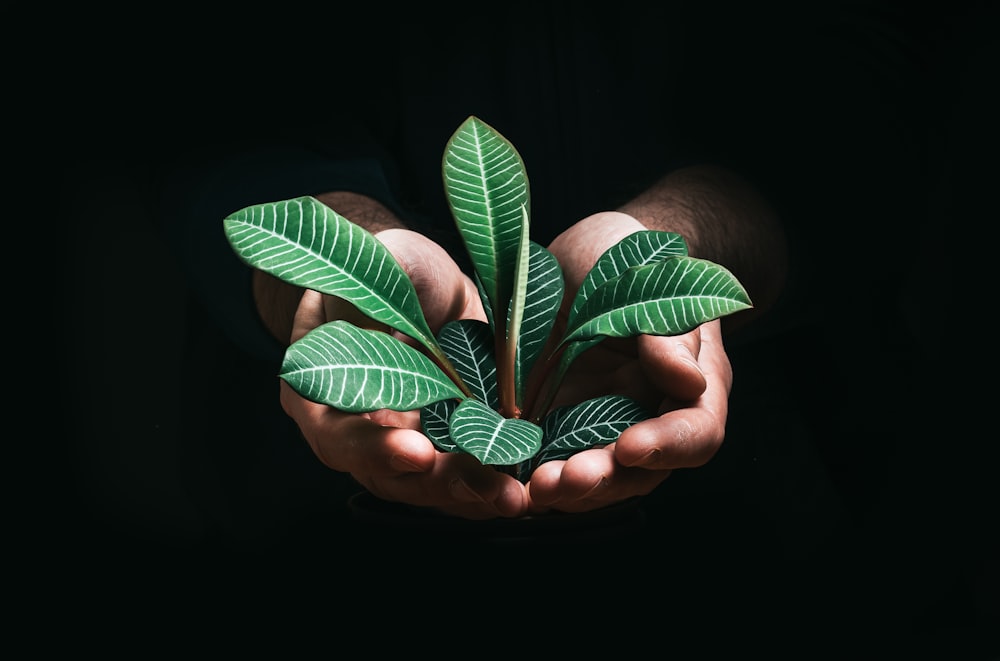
x: 535, y: 408
x: 505, y: 354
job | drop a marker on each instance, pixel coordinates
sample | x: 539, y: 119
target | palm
x: 611, y: 367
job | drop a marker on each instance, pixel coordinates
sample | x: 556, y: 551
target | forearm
x: 723, y: 219
x: 276, y: 300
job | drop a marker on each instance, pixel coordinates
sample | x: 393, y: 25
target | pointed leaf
x: 493, y: 439
x: 434, y: 423
x: 304, y: 242
x: 486, y: 187
x: 507, y: 371
x: 636, y: 249
x: 666, y: 298
x: 599, y: 421
x: 358, y: 370
x: 468, y: 343
x: 540, y: 308
x: 485, y: 299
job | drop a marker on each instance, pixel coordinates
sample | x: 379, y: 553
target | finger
x: 671, y: 364
x: 400, y: 464
x: 589, y: 480
x: 308, y: 315
x: 355, y: 444
x: 335, y: 307
x: 685, y: 437
x: 443, y: 289
x: 580, y: 246
x: 457, y: 485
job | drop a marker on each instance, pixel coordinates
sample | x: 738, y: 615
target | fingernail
x: 687, y: 356
x: 651, y: 458
x: 599, y: 486
x: 464, y: 492
x: 508, y: 504
x: 401, y: 463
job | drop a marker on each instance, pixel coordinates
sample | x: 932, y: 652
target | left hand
x: 686, y: 379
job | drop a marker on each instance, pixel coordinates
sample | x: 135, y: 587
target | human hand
x: 686, y: 379
x: 384, y: 450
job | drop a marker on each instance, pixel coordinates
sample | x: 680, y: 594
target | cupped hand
x: 384, y: 450
x: 686, y: 379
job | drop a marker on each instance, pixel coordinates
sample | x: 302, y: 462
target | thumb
x: 308, y: 315
x: 671, y: 364
x: 443, y: 289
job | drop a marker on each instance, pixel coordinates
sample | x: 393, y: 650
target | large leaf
x: 358, y: 370
x: 666, y: 298
x: 468, y: 343
x: 636, y: 249
x: 486, y: 187
x: 304, y: 242
x: 492, y: 438
x: 598, y: 421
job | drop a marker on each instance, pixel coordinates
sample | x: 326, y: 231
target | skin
x: 686, y: 379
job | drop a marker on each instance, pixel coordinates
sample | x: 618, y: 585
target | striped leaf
x: 306, y: 243
x: 486, y: 187
x: 636, y: 249
x: 434, y: 423
x: 599, y: 421
x: 666, y: 298
x: 358, y: 370
x: 544, y: 295
x: 492, y: 438
x: 468, y: 343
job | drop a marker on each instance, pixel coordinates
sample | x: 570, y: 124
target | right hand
x: 384, y: 450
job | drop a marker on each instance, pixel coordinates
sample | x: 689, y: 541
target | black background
x: 183, y: 471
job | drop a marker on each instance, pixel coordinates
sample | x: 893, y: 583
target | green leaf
x: 304, y: 242
x: 507, y: 368
x: 491, y: 438
x: 434, y: 423
x: 666, y: 298
x: 599, y: 421
x: 358, y: 370
x: 486, y: 187
x: 541, y: 305
x: 468, y: 343
x: 636, y: 249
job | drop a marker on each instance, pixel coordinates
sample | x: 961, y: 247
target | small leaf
x: 636, y: 249
x: 491, y: 438
x: 507, y: 366
x: 666, y: 298
x: 541, y: 305
x: 599, y: 421
x: 358, y: 370
x: 434, y: 423
x: 468, y: 343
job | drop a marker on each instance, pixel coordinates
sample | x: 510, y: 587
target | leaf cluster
x: 484, y: 388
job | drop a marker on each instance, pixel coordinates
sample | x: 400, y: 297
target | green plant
x: 485, y: 388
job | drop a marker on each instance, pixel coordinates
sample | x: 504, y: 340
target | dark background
x: 181, y: 465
